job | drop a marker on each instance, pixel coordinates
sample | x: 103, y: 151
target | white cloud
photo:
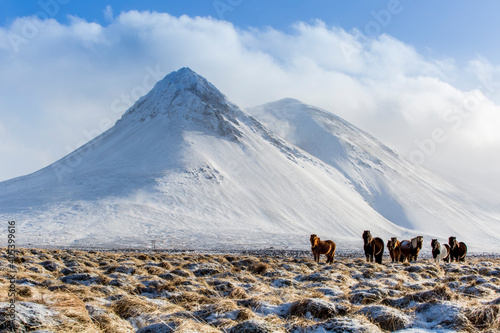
x: 63, y: 84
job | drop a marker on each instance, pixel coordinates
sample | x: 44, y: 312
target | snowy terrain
x: 189, y: 169
x: 274, y: 291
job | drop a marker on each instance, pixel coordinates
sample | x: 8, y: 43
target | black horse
x: 457, y: 250
x: 374, y: 247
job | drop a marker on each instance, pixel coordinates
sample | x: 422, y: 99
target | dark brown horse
x: 374, y: 247
x: 394, y: 247
x: 440, y: 251
x: 457, y: 250
x: 411, y: 249
x: 319, y: 247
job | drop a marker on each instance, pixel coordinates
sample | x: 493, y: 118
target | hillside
x: 186, y: 167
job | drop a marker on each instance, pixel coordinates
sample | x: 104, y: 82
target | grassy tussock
x: 484, y: 317
x: 94, y: 291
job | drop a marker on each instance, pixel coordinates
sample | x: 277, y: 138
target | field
x: 268, y: 291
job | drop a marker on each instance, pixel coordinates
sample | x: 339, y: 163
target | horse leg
x: 378, y: 257
x: 328, y: 257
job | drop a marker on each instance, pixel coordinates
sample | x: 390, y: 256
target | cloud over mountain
x: 80, y: 76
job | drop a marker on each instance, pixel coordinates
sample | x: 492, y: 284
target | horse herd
x: 406, y: 250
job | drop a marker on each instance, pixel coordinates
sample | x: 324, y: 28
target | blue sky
x: 401, y: 70
x: 459, y: 29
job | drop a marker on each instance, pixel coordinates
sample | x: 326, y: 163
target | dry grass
x: 120, y: 292
x: 484, y: 317
x: 128, y: 306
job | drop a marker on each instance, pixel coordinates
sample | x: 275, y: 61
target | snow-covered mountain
x: 406, y: 194
x: 189, y: 169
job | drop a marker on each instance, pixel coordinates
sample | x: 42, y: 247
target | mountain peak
x: 186, y: 96
x: 185, y: 78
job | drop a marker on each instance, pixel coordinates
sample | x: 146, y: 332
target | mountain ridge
x: 186, y: 166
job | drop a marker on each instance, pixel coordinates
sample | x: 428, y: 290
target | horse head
x: 452, y: 242
x: 435, y: 244
x: 312, y: 239
x: 391, y: 244
x: 316, y: 242
x: 417, y: 242
x: 367, y: 237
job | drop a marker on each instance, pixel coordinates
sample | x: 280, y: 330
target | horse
x: 394, y: 247
x: 410, y: 249
x: 457, y: 250
x: 319, y: 247
x: 374, y: 247
x: 440, y: 251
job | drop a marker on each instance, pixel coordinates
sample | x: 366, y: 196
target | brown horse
x: 440, y: 251
x: 374, y: 247
x: 457, y: 250
x: 394, y: 247
x: 410, y: 249
x: 319, y: 247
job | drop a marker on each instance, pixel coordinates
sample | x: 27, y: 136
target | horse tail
x: 463, y: 250
x: 333, y: 247
x: 380, y: 243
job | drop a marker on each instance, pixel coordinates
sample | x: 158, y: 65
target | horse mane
x: 452, y: 241
x: 415, y: 241
x: 367, y: 236
x: 313, y: 237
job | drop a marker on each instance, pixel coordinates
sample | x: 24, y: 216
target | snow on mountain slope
x: 406, y: 194
x: 186, y: 167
